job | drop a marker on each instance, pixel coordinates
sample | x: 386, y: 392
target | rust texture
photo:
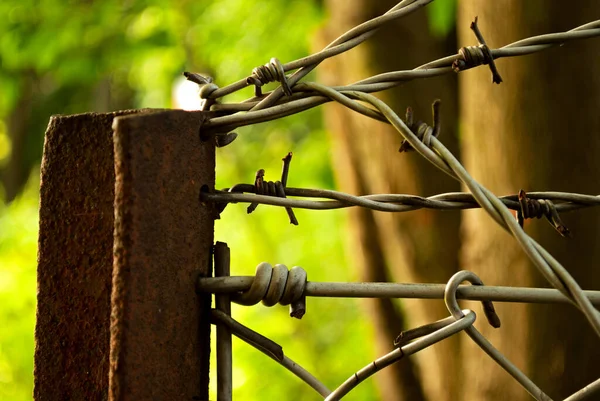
x: 75, y: 259
x: 162, y: 242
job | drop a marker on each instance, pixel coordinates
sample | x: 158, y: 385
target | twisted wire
x: 271, y: 285
x: 389, y: 202
x: 345, y: 42
x: 442, y: 158
x: 303, y: 98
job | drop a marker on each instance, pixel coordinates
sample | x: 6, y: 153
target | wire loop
x: 479, y: 339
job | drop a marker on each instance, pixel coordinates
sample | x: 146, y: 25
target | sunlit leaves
x: 18, y: 241
x: 133, y: 52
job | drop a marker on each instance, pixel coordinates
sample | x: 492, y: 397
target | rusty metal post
x: 75, y: 259
x: 123, y: 238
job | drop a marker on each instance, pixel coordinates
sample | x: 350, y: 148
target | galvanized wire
x: 270, y: 285
x: 241, y: 284
x: 541, y: 203
x: 309, y: 95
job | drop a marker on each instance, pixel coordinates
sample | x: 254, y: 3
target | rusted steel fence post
x: 123, y: 238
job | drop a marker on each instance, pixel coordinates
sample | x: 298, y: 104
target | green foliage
x: 442, y: 17
x: 75, y: 57
x: 321, y: 340
x: 18, y: 243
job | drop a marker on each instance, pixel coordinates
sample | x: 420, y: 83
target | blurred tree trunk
x: 538, y: 130
x: 14, y: 174
x: 409, y: 247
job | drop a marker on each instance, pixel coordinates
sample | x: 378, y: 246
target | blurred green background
x: 65, y: 57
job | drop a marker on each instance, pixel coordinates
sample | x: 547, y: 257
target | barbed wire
x: 304, y: 96
x: 527, y: 205
x: 271, y: 286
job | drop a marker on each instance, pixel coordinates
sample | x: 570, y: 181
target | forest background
x: 67, y: 57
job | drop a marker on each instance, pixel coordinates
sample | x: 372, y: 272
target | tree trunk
x: 410, y: 247
x: 538, y: 130
x: 14, y: 174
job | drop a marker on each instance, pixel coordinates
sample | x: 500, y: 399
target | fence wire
x: 278, y: 285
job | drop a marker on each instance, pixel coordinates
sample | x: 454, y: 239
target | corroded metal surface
x: 75, y: 259
x: 163, y: 237
x: 158, y: 247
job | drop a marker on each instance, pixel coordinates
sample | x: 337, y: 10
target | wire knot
x: 272, y: 285
x: 423, y: 131
x: 277, y: 188
x: 538, y: 208
x: 270, y: 72
x: 473, y: 56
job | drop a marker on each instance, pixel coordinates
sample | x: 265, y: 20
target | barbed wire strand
x: 307, y: 99
x: 358, y: 98
x: 345, y: 42
x: 442, y: 158
x: 390, y: 202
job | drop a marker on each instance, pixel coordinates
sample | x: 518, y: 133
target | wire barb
x: 274, y: 285
x: 269, y: 188
x: 534, y: 208
x: 423, y: 131
x: 473, y: 56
